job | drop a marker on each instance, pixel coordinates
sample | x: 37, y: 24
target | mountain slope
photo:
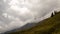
x: 47, y: 26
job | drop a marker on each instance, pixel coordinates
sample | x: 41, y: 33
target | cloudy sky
x: 16, y: 13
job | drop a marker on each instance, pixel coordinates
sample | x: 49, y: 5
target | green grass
x: 47, y: 26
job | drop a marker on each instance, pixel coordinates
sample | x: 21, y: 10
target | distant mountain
x: 27, y: 26
x: 48, y: 26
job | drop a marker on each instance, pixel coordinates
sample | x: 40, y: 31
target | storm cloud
x: 17, y: 13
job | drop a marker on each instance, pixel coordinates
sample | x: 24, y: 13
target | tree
x: 52, y: 15
x: 55, y: 12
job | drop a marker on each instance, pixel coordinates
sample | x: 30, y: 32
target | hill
x: 48, y: 26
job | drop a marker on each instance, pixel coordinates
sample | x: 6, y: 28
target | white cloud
x: 4, y: 0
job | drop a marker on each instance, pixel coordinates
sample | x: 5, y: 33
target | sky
x: 17, y: 13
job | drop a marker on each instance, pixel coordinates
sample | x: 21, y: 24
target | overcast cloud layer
x: 16, y: 13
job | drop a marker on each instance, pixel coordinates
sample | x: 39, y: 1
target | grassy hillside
x: 47, y: 26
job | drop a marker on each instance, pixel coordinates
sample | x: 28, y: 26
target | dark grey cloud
x: 11, y: 15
